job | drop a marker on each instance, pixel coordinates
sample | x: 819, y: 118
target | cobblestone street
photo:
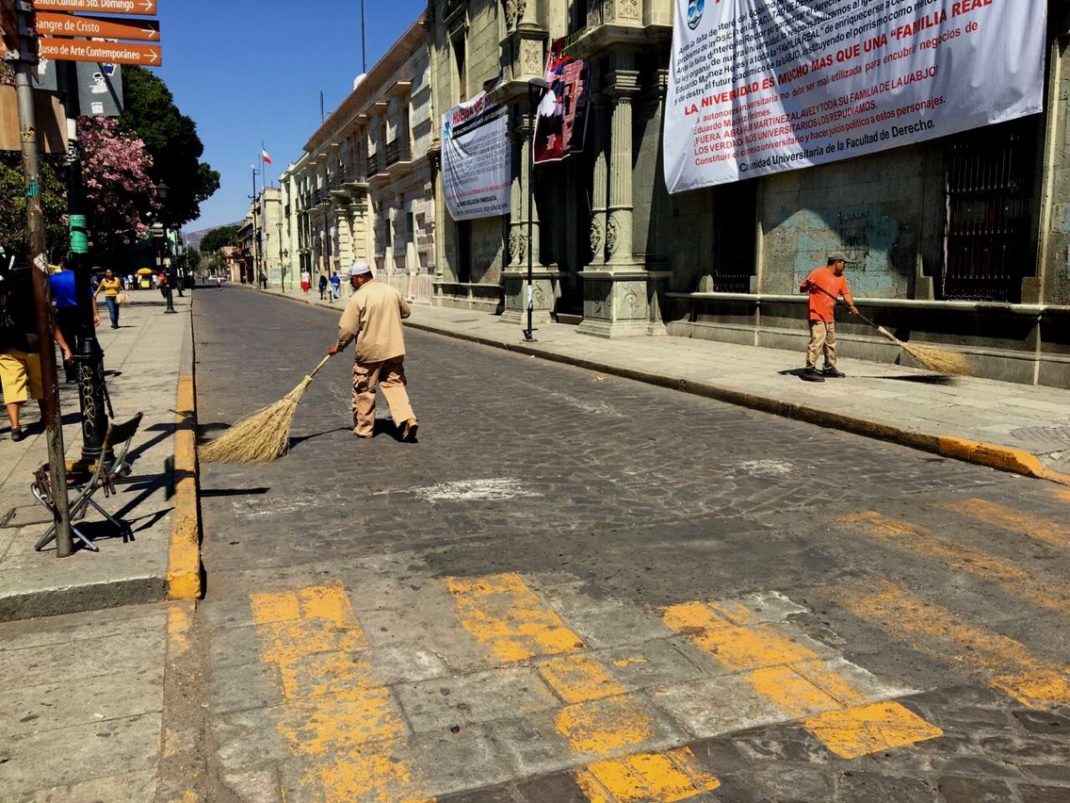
x: 578, y: 587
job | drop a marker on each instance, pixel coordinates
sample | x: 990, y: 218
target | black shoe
x: 811, y: 375
x: 16, y: 434
x: 408, y: 431
x: 832, y: 373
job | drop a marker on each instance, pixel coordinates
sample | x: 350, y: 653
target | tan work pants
x: 822, y: 339
x: 388, y: 375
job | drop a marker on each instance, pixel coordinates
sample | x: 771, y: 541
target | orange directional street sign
x: 145, y: 7
x: 101, y: 52
x: 97, y: 27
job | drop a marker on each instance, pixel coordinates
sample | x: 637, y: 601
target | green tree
x: 171, y: 139
x: 217, y: 238
x: 13, y: 206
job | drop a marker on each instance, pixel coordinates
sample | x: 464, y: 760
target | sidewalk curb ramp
x: 1001, y: 458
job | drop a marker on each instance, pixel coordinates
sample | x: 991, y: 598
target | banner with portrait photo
x: 476, y: 163
x: 759, y: 87
x: 561, y: 123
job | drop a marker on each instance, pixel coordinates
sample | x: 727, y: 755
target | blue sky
x: 252, y: 70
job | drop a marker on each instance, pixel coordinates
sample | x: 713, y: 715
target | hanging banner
x: 759, y: 87
x: 561, y: 124
x: 476, y: 163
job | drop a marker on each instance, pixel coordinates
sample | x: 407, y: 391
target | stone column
x: 619, y: 217
x: 600, y: 182
x: 516, y: 196
x: 617, y: 293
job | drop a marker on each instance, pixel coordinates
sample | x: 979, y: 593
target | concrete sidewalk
x: 144, y: 362
x: 1017, y: 428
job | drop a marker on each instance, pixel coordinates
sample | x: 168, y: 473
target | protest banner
x: 476, y: 163
x: 759, y: 87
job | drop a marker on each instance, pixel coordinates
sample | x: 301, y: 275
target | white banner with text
x: 476, y: 164
x: 759, y: 87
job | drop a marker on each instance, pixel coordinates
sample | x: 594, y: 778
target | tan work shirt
x: 373, y: 317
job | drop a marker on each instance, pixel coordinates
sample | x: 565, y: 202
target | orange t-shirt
x: 823, y: 307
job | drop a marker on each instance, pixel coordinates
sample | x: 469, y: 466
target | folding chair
x: 103, y: 478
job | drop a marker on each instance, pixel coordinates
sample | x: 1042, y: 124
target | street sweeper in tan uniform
x: 373, y: 318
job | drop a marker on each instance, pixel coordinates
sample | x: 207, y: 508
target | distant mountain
x: 193, y: 238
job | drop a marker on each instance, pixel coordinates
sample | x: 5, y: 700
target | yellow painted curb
x: 184, y: 558
x: 1004, y: 458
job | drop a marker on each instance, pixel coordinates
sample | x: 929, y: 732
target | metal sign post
x: 37, y: 254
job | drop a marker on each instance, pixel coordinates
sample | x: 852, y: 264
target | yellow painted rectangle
x: 1038, y: 528
x: 790, y: 692
x: 579, y: 678
x: 662, y: 777
x: 509, y: 619
x: 790, y: 675
x: 337, y: 714
x: 1001, y: 661
x: 859, y: 731
x: 1010, y: 577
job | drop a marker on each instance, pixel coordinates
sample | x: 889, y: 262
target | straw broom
x: 263, y: 436
x: 942, y: 361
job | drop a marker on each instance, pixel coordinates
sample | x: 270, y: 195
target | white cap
x: 358, y: 269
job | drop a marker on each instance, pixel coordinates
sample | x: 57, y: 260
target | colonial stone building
x: 962, y: 240
x: 363, y: 189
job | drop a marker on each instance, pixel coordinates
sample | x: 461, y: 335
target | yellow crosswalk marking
x: 336, y: 713
x: 1009, y: 576
x: 579, y: 678
x: 600, y: 718
x: 797, y: 680
x: 509, y: 619
x: 669, y: 776
x: 1002, y: 662
x: 865, y: 729
x: 1036, y: 527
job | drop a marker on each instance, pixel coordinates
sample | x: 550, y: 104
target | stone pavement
x: 142, y: 361
x: 1019, y: 428
x: 85, y: 687
x: 577, y: 587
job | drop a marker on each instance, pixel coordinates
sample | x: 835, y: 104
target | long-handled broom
x: 263, y: 436
x: 943, y: 361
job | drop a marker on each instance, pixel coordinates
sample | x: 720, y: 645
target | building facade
x: 942, y: 256
x: 962, y: 241
x: 364, y: 187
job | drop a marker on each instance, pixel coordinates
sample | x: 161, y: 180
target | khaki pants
x: 388, y: 375
x: 822, y: 339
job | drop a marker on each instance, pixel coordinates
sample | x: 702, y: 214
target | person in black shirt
x: 20, y: 366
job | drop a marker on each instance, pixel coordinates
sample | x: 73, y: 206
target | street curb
x: 1001, y: 458
x: 184, y: 554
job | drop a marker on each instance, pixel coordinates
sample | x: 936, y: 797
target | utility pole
x: 88, y: 354
x: 256, y: 237
x: 363, y: 49
x: 37, y: 255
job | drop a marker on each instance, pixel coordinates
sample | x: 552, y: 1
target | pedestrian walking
x: 825, y: 286
x: 111, y: 287
x: 65, y: 302
x: 373, y: 318
x: 20, y: 364
x: 336, y: 286
x: 306, y: 281
x: 323, y: 286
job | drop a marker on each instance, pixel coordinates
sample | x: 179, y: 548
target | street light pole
x: 256, y: 236
x: 536, y: 87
